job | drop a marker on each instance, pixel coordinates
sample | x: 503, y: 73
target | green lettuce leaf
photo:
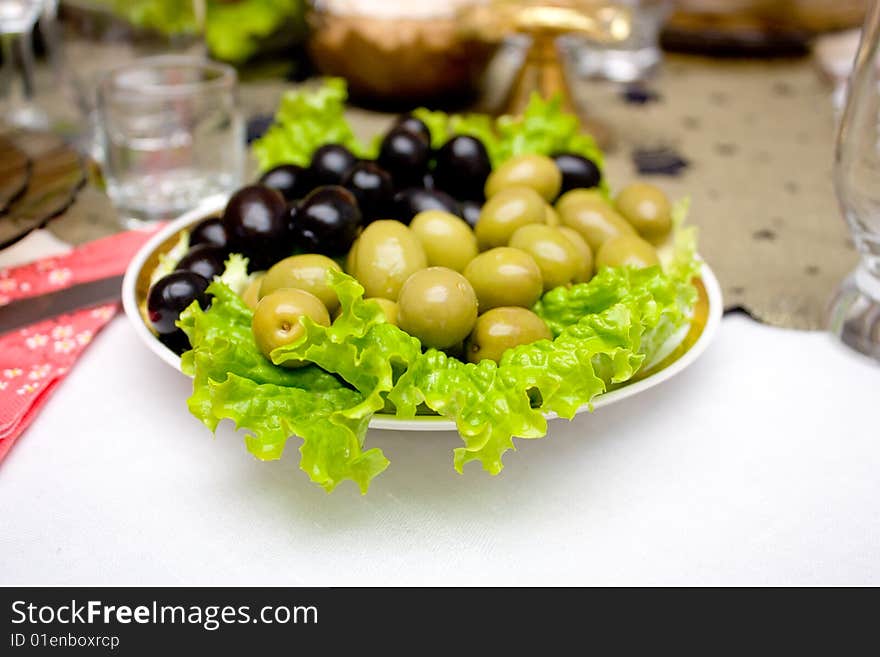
x: 684, y: 264
x: 235, y: 273
x: 360, y: 346
x: 544, y: 128
x: 309, y: 118
x: 232, y: 380
x: 235, y: 31
x: 305, y: 120
x: 604, y: 330
x: 168, y: 260
x: 443, y: 126
x: 170, y: 17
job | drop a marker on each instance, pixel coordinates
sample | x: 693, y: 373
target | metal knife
x: 51, y: 304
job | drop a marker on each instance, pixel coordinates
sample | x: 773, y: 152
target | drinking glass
x: 17, y: 21
x: 855, y: 311
x: 50, y: 31
x: 634, y: 58
x: 171, y: 135
x: 100, y: 34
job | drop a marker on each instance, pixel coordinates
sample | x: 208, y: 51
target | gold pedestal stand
x: 544, y: 22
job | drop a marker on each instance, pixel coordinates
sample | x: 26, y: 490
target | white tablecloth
x: 758, y: 465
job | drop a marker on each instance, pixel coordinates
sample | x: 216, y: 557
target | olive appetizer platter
x: 461, y: 272
x: 680, y: 350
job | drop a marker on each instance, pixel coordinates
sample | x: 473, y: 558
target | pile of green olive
x: 452, y: 251
x: 469, y: 290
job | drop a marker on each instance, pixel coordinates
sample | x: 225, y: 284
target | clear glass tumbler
x: 98, y: 35
x: 855, y: 311
x: 635, y: 58
x: 171, y: 135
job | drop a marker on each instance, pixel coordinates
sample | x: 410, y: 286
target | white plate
x: 130, y: 303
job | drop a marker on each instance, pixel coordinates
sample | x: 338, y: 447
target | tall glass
x: 17, y: 105
x: 855, y: 312
x: 636, y: 57
x: 171, y: 135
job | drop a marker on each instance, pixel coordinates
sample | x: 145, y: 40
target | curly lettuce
x: 360, y: 347
x: 235, y: 31
x: 309, y: 118
x: 544, y: 128
x: 235, y: 274
x: 305, y: 120
x: 168, y: 260
x: 604, y: 331
x: 233, y: 380
x: 683, y: 264
x: 170, y: 17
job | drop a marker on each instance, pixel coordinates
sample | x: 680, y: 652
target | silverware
x: 84, y: 295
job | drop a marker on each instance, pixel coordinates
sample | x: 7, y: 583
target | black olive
x: 327, y: 221
x: 405, y: 156
x: 210, y: 231
x: 178, y: 342
x: 373, y: 189
x: 205, y: 260
x: 416, y: 126
x: 462, y: 167
x: 289, y: 179
x: 470, y: 212
x: 409, y: 202
x: 329, y: 164
x: 256, y: 224
x: 172, y: 294
x: 428, y: 181
x: 577, y: 172
x: 292, y: 211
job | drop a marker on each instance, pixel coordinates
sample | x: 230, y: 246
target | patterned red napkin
x: 34, y: 359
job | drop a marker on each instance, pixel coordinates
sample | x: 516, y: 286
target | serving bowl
x: 677, y: 353
x: 398, y: 54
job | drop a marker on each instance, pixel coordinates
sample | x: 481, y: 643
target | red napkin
x: 34, y: 359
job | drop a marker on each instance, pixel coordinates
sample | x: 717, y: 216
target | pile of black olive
x: 322, y: 208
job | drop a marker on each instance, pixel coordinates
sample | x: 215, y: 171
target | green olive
x: 501, y: 329
x: 251, y: 295
x: 505, y: 277
x: 586, y: 254
x: 647, y: 208
x: 438, y: 306
x: 626, y: 250
x: 551, y: 217
x: 351, y: 258
x: 536, y: 171
x: 588, y: 213
x: 388, y: 307
x: 448, y: 240
x: 505, y: 212
x: 304, y: 272
x: 557, y: 258
x: 277, y: 319
x: 387, y: 254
